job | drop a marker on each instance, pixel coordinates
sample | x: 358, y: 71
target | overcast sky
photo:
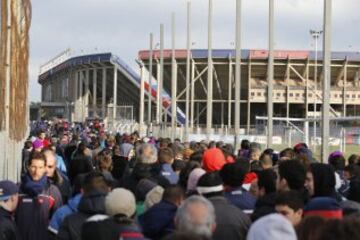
x: 123, y: 26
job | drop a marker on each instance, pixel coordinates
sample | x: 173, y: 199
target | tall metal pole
x: 315, y: 35
x: 270, y: 74
x: 160, y: 78
x: 237, y: 72
x: 173, y: 79
x: 115, y: 93
x: 150, y: 78
x: 142, y: 97
x: 210, y: 75
x: 188, y: 56
x: 326, y: 81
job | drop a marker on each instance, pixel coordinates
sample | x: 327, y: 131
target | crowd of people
x: 81, y: 182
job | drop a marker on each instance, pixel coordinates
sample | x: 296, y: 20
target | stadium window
x: 278, y: 94
x: 303, y: 95
x: 347, y: 95
x: 359, y: 96
x: 341, y: 95
x: 259, y: 94
x: 291, y: 94
x: 354, y: 96
x: 297, y: 95
x: 310, y: 95
x: 252, y: 94
x: 284, y: 94
x: 335, y: 96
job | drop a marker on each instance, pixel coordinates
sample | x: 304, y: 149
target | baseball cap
x: 7, y: 189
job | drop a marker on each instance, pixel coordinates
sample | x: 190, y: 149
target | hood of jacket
x: 93, y: 203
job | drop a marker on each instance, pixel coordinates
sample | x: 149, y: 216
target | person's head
x: 210, y: 185
x: 337, y: 160
x: 50, y: 158
x: 326, y: 207
x: 291, y: 205
x: 41, y: 135
x: 120, y: 202
x: 354, y: 159
x: 38, y: 145
x: 197, y: 156
x: 37, y: 166
x: 184, y: 174
x: 292, y: 175
x: 233, y: 174
x: 272, y: 227
x: 351, y: 171
x: 348, y: 228
x: 178, y: 165
x: 147, y: 153
x: 245, y: 144
x: 9, y: 196
x: 266, y: 182
x: 196, y: 215
x: 28, y: 146
x: 255, y: 154
x: 287, y: 154
x: 266, y: 161
x: 104, y: 159
x: 166, y: 155
x: 173, y: 194
x: 306, y: 230
x: 320, y: 180
x: 94, y: 182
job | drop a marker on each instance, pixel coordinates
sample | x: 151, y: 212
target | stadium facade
x: 86, y: 86
x: 294, y: 94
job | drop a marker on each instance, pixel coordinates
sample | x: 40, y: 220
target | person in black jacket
x: 81, y: 162
x: 8, y: 202
x: 95, y: 189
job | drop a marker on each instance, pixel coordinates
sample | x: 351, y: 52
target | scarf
x: 31, y: 187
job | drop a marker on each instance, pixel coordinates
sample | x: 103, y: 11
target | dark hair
x: 184, y: 174
x: 94, y: 181
x: 197, y: 156
x: 178, y: 165
x: 267, y: 180
x: 338, y: 162
x: 292, y: 199
x: 266, y: 159
x: 306, y: 230
x: 37, y: 156
x: 245, y: 144
x: 353, y: 169
x: 288, y: 153
x: 294, y: 173
x: 233, y: 174
x: 28, y: 145
x: 324, y: 179
x: 212, y: 144
x: 173, y: 193
x: 166, y: 155
x: 354, y: 159
x: 348, y: 228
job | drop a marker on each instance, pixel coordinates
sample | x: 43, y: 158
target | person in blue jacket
x: 166, y: 159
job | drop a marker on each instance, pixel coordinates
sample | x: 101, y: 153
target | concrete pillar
x: 230, y: 92
x: 209, y: 102
x: 192, y: 100
x: 103, y: 95
x: 142, y: 99
x: 115, y: 93
x: 94, y: 103
x: 173, y: 81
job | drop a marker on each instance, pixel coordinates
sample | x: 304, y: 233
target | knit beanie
x: 210, y: 183
x: 213, y: 160
x: 272, y: 227
x: 325, y: 207
x: 120, y: 201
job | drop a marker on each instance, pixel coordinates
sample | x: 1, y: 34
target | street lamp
x: 315, y: 35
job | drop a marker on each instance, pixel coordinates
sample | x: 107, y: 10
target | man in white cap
x: 118, y: 223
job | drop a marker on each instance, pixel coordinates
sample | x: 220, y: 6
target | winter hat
x: 38, y: 144
x: 210, y: 183
x: 194, y: 177
x: 306, y: 152
x: 272, y: 227
x: 153, y: 197
x: 249, y: 178
x: 325, y: 207
x: 120, y: 201
x: 7, y: 189
x: 213, y: 160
